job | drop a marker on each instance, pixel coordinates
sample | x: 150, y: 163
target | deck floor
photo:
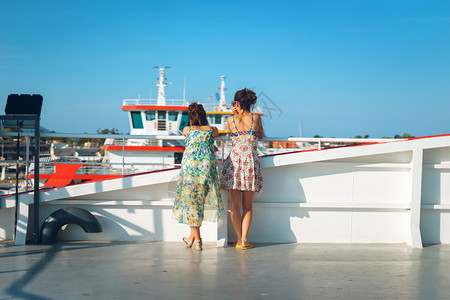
x: 162, y: 270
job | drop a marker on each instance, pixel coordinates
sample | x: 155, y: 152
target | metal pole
x: 36, y: 227
x: 27, y: 163
x: 17, y: 184
x: 123, y: 156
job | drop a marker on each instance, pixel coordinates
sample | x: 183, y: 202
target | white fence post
x: 123, y: 156
x: 415, y: 240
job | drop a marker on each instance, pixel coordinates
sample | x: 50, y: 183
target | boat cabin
x: 147, y: 118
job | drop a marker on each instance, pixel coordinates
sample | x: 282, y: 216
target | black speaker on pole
x: 23, y: 104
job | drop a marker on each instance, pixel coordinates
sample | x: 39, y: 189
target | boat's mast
x: 222, y: 89
x: 184, y: 88
x: 301, y: 128
x: 161, y: 84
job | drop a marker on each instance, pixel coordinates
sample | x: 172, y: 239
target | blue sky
x: 344, y: 68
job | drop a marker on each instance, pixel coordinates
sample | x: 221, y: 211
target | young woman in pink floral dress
x: 241, y: 171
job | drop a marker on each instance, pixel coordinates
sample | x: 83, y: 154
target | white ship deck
x: 167, y: 270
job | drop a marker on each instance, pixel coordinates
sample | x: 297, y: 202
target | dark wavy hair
x: 197, y: 115
x: 246, y: 98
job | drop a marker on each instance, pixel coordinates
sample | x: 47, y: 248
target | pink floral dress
x: 241, y: 169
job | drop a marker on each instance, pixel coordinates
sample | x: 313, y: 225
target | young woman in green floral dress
x: 198, y: 195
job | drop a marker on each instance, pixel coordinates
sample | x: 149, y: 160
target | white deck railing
x: 171, y: 102
x: 175, y: 102
x: 223, y: 143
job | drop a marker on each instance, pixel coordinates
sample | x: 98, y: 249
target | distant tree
x: 108, y: 131
x: 317, y: 136
x: 404, y: 136
x: 362, y: 137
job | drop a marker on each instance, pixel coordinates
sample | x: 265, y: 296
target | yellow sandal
x: 250, y: 246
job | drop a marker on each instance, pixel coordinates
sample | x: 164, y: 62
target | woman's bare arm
x: 260, y: 127
x: 215, y: 131
x: 185, y: 130
x: 230, y: 123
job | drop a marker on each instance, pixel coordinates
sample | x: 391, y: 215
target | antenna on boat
x: 301, y: 128
x: 184, y: 88
x: 161, y: 84
x: 222, y: 89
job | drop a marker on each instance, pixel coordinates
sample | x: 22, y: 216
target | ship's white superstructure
x: 160, y: 117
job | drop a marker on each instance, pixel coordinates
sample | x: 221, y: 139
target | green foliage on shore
x: 403, y: 136
x: 366, y: 136
x: 108, y: 131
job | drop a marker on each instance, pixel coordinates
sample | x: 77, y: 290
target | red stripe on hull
x: 143, y: 148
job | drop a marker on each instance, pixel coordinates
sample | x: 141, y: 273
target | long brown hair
x: 197, y: 115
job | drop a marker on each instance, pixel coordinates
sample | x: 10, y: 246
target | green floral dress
x: 198, y: 195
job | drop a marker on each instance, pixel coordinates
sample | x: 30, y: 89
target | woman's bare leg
x: 235, y: 208
x: 195, y: 234
x: 247, y: 214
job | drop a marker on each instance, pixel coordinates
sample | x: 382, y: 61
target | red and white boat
x: 164, y: 119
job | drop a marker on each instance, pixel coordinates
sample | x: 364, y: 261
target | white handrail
x: 224, y: 138
x: 121, y: 138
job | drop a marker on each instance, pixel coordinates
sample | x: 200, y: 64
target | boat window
x: 161, y: 115
x: 218, y: 119
x: 136, y: 120
x: 184, y: 120
x: 150, y: 115
x: 211, y: 119
x: 173, y: 115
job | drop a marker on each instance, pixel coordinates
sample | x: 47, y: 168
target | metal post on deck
x: 123, y: 155
x: 16, y: 197
x: 27, y: 162
x: 37, y: 137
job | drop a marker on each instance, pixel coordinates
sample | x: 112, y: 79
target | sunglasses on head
x: 234, y: 102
